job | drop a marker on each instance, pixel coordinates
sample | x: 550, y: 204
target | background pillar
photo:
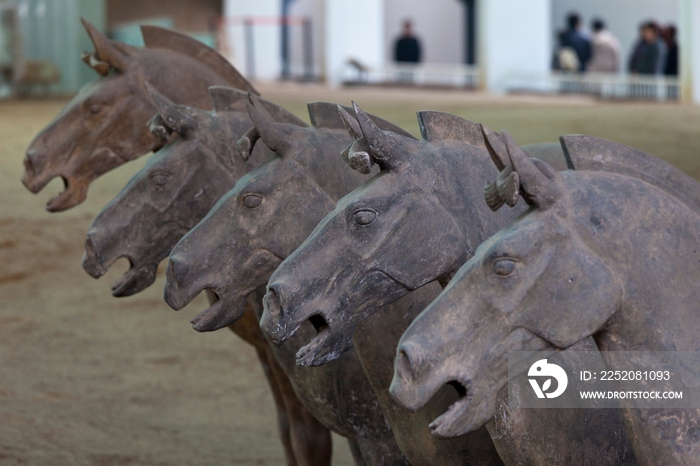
x: 353, y: 29
x: 513, y: 35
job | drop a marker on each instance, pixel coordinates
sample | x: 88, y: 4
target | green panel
x: 130, y: 33
x: 51, y: 30
x: 94, y: 11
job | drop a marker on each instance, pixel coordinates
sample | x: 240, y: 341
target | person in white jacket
x: 606, y: 50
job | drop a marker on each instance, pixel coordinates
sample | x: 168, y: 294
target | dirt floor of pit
x: 87, y: 379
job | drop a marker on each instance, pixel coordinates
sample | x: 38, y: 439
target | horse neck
x: 650, y: 240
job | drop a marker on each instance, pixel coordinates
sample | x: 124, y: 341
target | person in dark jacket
x: 649, y: 55
x: 407, y: 48
x: 576, y: 39
x: 669, y: 34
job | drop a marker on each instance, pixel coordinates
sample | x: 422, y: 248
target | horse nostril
x: 272, y: 302
x: 92, y: 264
x: 89, y: 246
x: 28, y: 164
x: 177, y: 270
x: 404, y: 363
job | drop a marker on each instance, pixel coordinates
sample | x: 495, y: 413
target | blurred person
x: 606, y: 50
x: 577, y: 40
x: 408, y: 47
x: 649, y: 54
x: 669, y: 35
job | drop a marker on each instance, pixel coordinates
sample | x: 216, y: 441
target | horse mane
x: 441, y: 126
x: 156, y: 37
x: 325, y: 115
x: 228, y: 99
x: 591, y: 153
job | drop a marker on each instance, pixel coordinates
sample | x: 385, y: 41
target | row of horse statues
x: 380, y: 283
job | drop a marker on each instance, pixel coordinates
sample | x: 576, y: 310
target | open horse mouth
x: 311, y: 353
x: 69, y: 197
x: 135, y: 279
x: 332, y: 338
x: 445, y: 425
x: 210, y: 319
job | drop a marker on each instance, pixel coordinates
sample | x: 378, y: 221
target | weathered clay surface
x: 105, y: 125
x: 612, y: 248
x: 418, y: 221
x: 178, y: 186
x: 175, y: 190
x: 252, y: 229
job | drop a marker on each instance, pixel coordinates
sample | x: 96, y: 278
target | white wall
x: 514, y: 36
x: 354, y: 29
x: 690, y: 50
x: 312, y: 9
x: 266, y: 38
x: 438, y: 23
x: 621, y: 16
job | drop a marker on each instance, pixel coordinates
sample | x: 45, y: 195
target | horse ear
x: 172, y: 114
x: 536, y: 177
x: 495, y: 147
x: 101, y: 67
x: 159, y: 128
x: 271, y: 132
x: 244, y: 146
x: 105, y: 50
x: 350, y: 123
x: 378, y: 142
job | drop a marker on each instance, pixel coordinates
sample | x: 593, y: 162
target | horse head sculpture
x: 105, y: 125
x: 234, y: 249
x: 264, y: 218
x: 176, y: 188
x: 417, y: 221
x: 605, y: 251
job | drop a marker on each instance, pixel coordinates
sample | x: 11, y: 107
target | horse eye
x: 252, y: 201
x: 159, y: 179
x: 364, y: 217
x: 95, y: 108
x: 504, y: 267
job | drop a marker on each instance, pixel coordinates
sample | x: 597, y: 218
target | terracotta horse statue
x: 105, y: 125
x: 252, y: 229
x: 176, y: 188
x: 417, y: 221
x: 613, y: 243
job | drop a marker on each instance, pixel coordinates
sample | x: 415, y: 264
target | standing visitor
x: 407, y: 48
x: 575, y: 39
x: 649, y: 55
x: 669, y: 35
x: 606, y: 50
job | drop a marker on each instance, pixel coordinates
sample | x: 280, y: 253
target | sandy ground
x: 87, y: 379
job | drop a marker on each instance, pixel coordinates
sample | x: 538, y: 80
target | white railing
x: 429, y: 74
x: 603, y: 85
